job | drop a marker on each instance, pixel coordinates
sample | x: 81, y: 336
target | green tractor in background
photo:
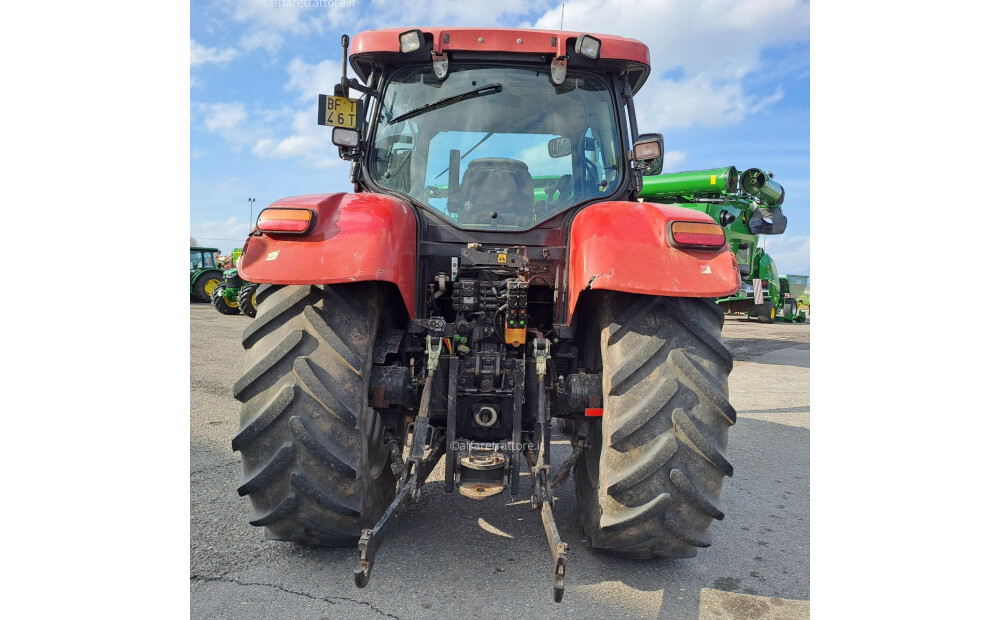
x: 746, y: 205
x: 205, y: 273
x: 233, y: 295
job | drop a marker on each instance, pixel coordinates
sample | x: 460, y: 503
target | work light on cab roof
x: 413, y: 40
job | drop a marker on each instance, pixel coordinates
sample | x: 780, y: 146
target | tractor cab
x: 469, y: 124
x: 203, y: 258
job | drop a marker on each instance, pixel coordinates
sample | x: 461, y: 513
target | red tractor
x: 492, y: 271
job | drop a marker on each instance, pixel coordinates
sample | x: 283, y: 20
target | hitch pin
x: 541, y: 355
x: 433, y: 354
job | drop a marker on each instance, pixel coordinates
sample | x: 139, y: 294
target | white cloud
x: 707, y: 47
x: 311, y: 80
x: 309, y: 142
x: 220, y: 117
x: 292, y: 146
x: 267, y: 21
x: 697, y: 101
x: 273, y: 15
x: 231, y: 121
x: 211, y: 55
x: 671, y: 159
x: 700, y: 100
x: 790, y: 254
x: 261, y: 131
x: 424, y: 13
x: 723, y: 37
x: 764, y: 102
x: 267, y: 40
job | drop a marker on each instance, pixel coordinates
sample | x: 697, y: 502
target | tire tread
x: 649, y: 485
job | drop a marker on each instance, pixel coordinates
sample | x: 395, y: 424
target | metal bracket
x: 409, y: 492
x: 542, y: 498
x: 371, y: 539
x: 579, y: 445
x: 541, y: 493
x: 418, y: 466
x: 542, y: 356
x: 558, y: 550
x: 433, y: 355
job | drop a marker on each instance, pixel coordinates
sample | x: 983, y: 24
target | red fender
x: 356, y: 238
x: 623, y: 246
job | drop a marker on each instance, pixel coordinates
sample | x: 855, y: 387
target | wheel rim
x: 231, y: 304
x: 773, y: 312
x: 210, y: 286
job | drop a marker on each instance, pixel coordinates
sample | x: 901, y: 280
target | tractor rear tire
x: 205, y: 285
x: 222, y: 304
x: 247, y: 299
x: 316, y: 466
x: 648, y: 484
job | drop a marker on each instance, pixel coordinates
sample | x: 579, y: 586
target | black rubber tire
x: 765, y: 312
x: 316, y: 467
x: 201, y: 283
x: 649, y: 483
x: 220, y: 303
x: 793, y: 310
x: 246, y: 299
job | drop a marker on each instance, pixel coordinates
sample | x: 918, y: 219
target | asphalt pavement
x: 451, y: 556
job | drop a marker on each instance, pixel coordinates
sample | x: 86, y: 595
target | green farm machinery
x: 747, y: 205
x: 792, y: 288
x: 206, y: 274
x: 234, y: 295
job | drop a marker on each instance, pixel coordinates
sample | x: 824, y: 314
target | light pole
x: 251, y: 201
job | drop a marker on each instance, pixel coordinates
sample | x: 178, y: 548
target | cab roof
x: 515, y: 44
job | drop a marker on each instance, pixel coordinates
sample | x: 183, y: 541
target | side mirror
x: 347, y: 141
x: 648, y: 149
x: 560, y: 147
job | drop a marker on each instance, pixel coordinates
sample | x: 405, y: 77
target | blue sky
x: 730, y: 85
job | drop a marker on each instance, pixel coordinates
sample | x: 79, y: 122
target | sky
x: 730, y: 86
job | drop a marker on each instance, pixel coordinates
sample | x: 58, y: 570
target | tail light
x: 697, y: 234
x: 278, y: 220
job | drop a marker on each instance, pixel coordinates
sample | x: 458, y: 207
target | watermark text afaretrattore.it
x: 309, y: 4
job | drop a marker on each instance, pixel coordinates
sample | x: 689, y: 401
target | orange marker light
x: 700, y: 234
x: 285, y: 220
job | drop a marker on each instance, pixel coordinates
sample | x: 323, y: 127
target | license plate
x: 338, y: 111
